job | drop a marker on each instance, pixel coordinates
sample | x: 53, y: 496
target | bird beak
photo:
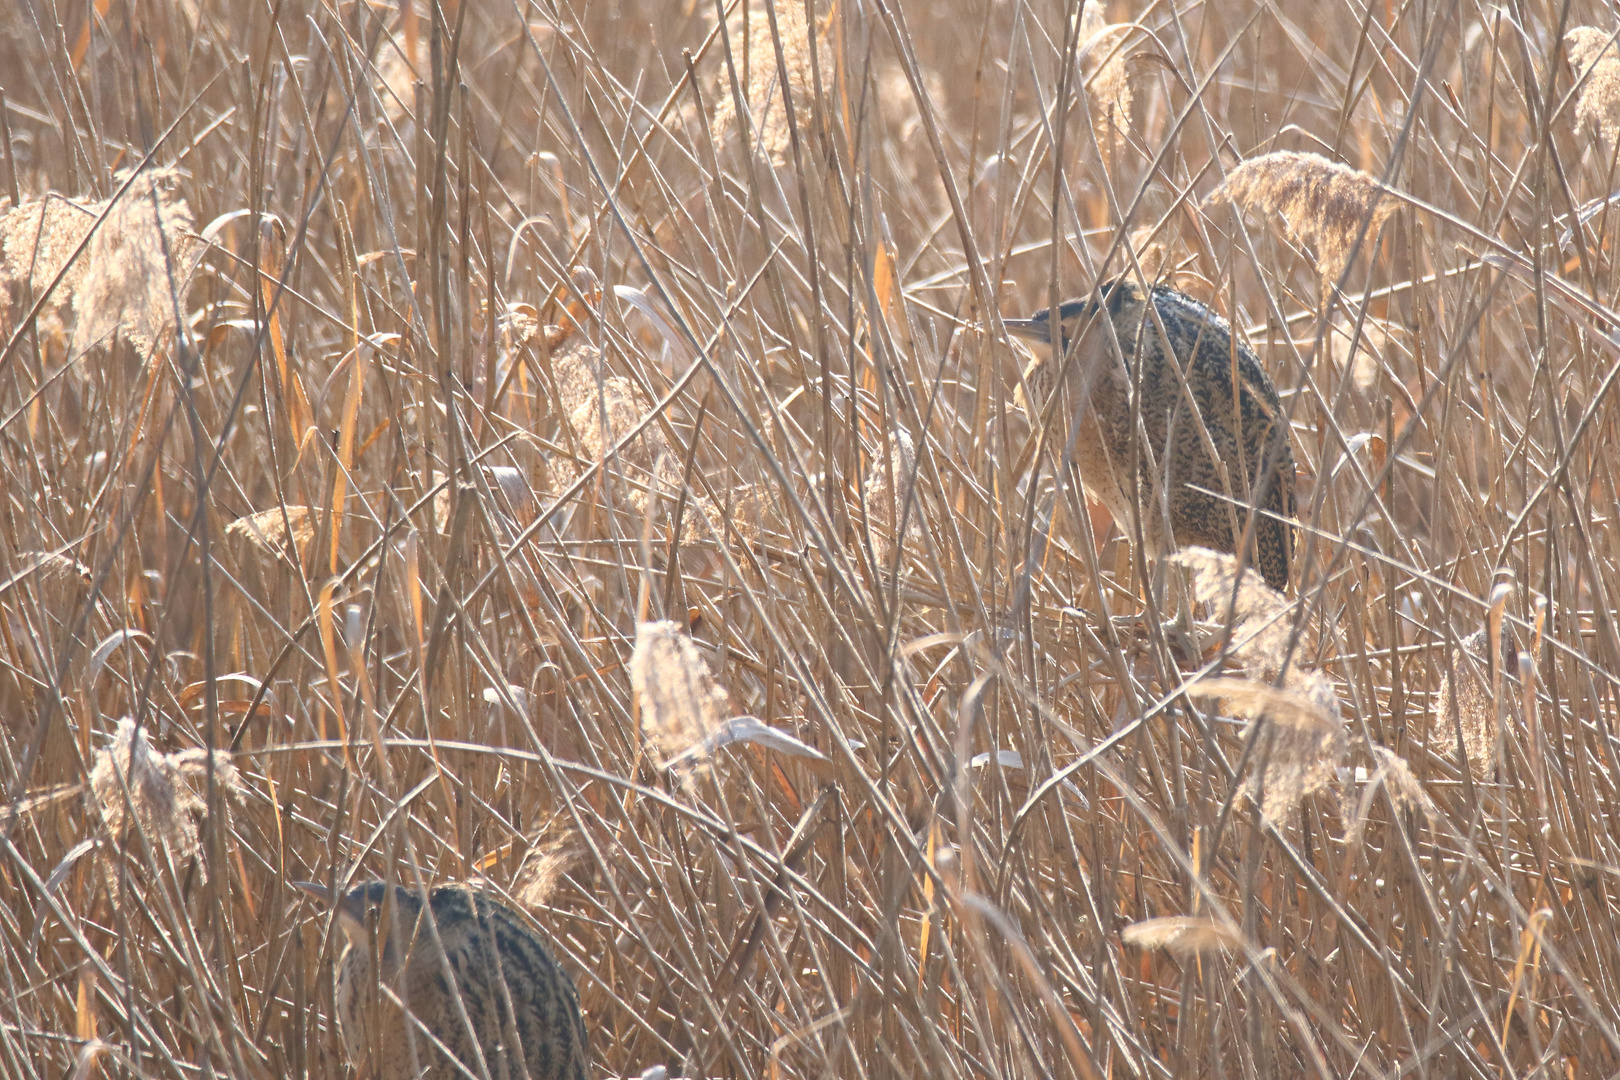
x: 319, y: 892
x: 1029, y: 329
x: 350, y: 910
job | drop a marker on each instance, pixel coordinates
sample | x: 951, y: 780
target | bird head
x: 371, y: 910
x: 1037, y: 329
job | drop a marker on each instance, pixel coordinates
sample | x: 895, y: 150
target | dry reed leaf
x: 1305, y: 741
x: 681, y: 705
x: 1183, y: 936
x: 753, y: 54
x: 1593, y: 53
x: 139, y: 266
x: 1464, y: 689
x: 269, y: 530
x: 751, y: 729
x: 161, y: 796
x: 1322, y: 203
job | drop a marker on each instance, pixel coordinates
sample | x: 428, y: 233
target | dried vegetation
x: 450, y: 438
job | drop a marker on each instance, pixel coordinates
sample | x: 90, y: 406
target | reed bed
x: 570, y: 445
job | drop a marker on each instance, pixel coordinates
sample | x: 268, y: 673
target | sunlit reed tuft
x: 1322, y: 203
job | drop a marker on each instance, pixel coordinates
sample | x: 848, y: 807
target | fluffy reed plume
x: 392, y: 80
x: 1307, y: 738
x: 1303, y: 743
x: 1183, y: 936
x: 601, y: 409
x: 1363, y: 366
x: 140, y: 263
x: 1465, y: 702
x: 753, y: 55
x: 889, y: 486
x: 36, y: 239
x: 124, y: 284
x: 53, y: 567
x: 1159, y: 255
x: 1322, y: 203
x: 1261, y: 628
x: 1395, y: 775
x: 57, y: 582
x: 555, y: 852
x: 1037, y: 378
x: 681, y: 705
x: 1594, y: 54
x: 270, y: 530
x: 1104, y: 50
x: 162, y: 800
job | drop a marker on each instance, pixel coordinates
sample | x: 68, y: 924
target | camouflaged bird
x: 521, y: 1017
x: 1232, y: 393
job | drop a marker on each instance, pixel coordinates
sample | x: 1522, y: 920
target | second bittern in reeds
x: 1206, y: 434
x: 454, y: 987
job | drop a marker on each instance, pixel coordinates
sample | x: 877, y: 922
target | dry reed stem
x: 580, y: 140
x: 1322, y: 203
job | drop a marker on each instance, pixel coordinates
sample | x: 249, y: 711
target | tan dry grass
x: 986, y: 758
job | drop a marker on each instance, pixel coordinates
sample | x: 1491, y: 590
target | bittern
x: 461, y: 977
x: 1211, y: 447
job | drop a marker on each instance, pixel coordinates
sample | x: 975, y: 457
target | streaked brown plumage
x: 1244, y: 427
x: 522, y: 1013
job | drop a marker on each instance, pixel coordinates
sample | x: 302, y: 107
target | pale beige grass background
x: 316, y: 457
